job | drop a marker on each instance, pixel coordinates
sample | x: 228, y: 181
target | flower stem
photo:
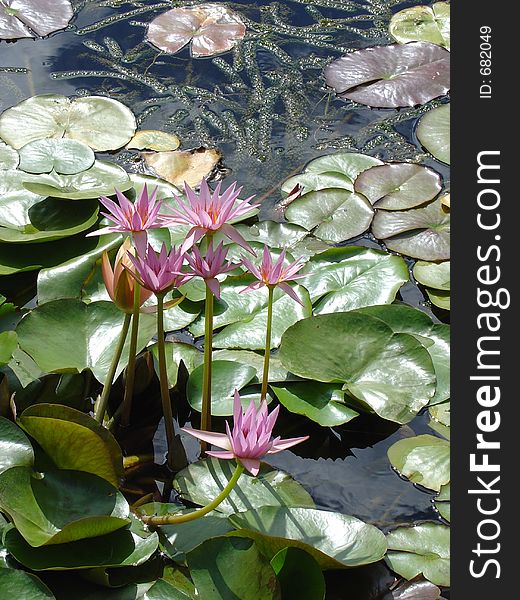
x: 101, y: 407
x: 267, y: 353
x: 205, y: 421
x: 130, y: 369
x: 163, y: 380
x: 172, y: 519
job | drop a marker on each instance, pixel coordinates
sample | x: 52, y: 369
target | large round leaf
x: 423, y: 459
x: 334, y: 540
x: 433, y: 131
x: 434, y: 336
x: 122, y: 548
x: 321, y: 402
x: 67, y: 335
x: 225, y: 568
x: 32, y: 18
x: 203, y: 481
x: 64, y: 156
x: 390, y: 372
x: 61, y: 506
x: 226, y: 376
x: 19, y: 584
x: 16, y: 199
x: 422, y: 549
x: 211, y: 28
x: 49, y: 220
x: 299, y: 575
x: 434, y: 275
x: 15, y: 447
x: 343, y: 279
x: 422, y: 24
x: 102, y: 179
x: 101, y: 123
x: 337, y: 214
x: 419, y: 232
x: 274, y: 235
x: 392, y: 76
x: 74, y: 440
x: 348, y: 164
x: 276, y: 371
x: 398, y: 186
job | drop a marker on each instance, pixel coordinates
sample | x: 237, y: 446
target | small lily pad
x: 433, y: 132
x: 33, y: 18
x: 183, y: 166
x: 392, y: 76
x: 149, y: 139
x: 433, y: 275
x: 422, y: 24
x: 62, y: 155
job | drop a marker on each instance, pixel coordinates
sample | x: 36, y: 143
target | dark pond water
x: 267, y: 109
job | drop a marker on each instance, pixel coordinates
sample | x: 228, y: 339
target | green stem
x: 267, y: 352
x: 163, y: 380
x: 101, y: 407
x: 172, y: 519
x: 130, y: 369
x: 205, y: 421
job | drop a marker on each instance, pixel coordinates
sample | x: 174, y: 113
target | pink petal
x: 220, y: 454
x: 290, y: 292
x: 280, y: 445
x: 214, y: 286
x: 251, y: 268
x: 251, y: 464
x: 234, y: 236
x: 254, y: 286
x: 103, y: 231
x: 215, y: 439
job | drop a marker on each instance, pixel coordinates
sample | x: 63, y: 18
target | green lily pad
x: 19, y: 584
x: 336, y: 214
x: 250, y: 334
x: 16, y: 200
x: 422, y: 24
x: 61, y: 506
x: 163, y: 590
x: 101, y: 123
x: 422, y: 549
x: 8, y: 344
x: 442, y: 502
x: 391, y: 373
x: 74, y: 440
x: 433, y: 132
x: 334, y: 540
x: 398, y: 186
x: 321, y: 402
x: 423, y: 459
x: 439, y: 298
x: 441, y: 413
x: 122, y: 548
x: 150, y: 139
x: 226, y: 568
x: 9, y: 158
x: 314, y: 182
x: 165, y: 190
x: 299, y: 575
x: 203, y: 481
x: 343, y: 279
x: 274, y: 235
x: 419, y: 232
x: 102, y: 179
x: 15, y: 447
x: 434, y: 336
x: 226, y: 376
x: 49, y: 220
x: 64, y: 156
x: 67, y: 336
x: 246, y: 357
x: 433, y: 275
x: 348, y: 164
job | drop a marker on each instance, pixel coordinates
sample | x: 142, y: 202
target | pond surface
x: 265, y: 105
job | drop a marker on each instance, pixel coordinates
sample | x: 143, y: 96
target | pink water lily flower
x: 160, y: 272
x: 134, y: 217
x: 209, y: 212
x: 274, y: 274
x: 250, y: 439
x: 213, y: 264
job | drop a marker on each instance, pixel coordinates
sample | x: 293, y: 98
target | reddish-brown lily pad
x: 211, y: 28
x: 33, y: 18
x: 392, y: 76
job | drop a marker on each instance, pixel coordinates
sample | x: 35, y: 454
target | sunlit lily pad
x: 33, y: 18
x: 180, y: 166
x: 102, y: 179
x: 422, y: 549
x: 159, y: 141
x: 348, y: 164
x: 391, y: 373
x: 342, y: 279
x: 439, y: 298
x: 423, y: 459
x: 431, y: 274
x: 422, y: 232
x: 16, y: 199
x: 101, y: 123
x: 9, y: 158
x: 433, y: 132
x: 8, y: 344
x: 422, y: 24
x: 274, y: 235
x: 64, y: 156
x: 337, y: 214
x: 442, y: 502
x: 211, y: 28
x: 202, y: 481
x: 398, y: 186
x: 392, y: 76
x: 334, y: 540
x: 15, y: 447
